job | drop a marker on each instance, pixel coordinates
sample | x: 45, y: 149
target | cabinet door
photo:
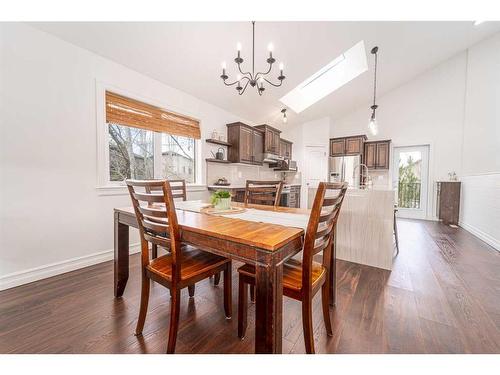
x: 282, y: 152
x: 288, y: 153
x: 258, y: 146
x: 246, y: 145
x: 337, y: 147
x: 276, y: 142
x: 370, y: 155
x: 382, y: 158
x: 354, y: 146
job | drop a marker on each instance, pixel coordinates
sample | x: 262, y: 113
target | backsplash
x: 238, y: 174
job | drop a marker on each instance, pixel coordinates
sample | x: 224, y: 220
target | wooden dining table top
x: 265, y: 236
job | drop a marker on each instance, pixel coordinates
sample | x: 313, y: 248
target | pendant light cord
x: 375, y: 79
x: 253, y: 47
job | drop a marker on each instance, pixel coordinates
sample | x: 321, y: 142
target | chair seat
x: 292, y: 273
x: 194, y: 262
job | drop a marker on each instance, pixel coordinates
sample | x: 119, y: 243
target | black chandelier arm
x: 274, y: 84
x: 264, y: 74
x: 244, y: 87
x: 241, y: 71
x: 235, y: 82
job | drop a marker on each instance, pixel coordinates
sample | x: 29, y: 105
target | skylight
x: 337, y: 73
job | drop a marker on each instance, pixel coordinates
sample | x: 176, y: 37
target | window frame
x: 104, y: 184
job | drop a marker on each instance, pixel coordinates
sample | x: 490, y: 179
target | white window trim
x: 104, y: 185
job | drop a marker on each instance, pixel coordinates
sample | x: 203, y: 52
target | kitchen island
x: 365, y: 227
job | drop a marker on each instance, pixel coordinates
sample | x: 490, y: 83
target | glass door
x: 410, y: 180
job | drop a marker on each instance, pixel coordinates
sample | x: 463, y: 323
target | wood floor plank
x: 443, y: 296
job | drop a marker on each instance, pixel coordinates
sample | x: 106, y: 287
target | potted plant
x: 221, y: 200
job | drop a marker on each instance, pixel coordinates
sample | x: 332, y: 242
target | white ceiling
x: 188, y: 56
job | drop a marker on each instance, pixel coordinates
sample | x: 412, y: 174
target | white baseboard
x: 27, y: 276
x: 481, y: 235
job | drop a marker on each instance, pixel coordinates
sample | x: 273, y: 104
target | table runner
x: 261, y: 216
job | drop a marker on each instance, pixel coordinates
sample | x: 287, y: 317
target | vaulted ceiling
x: 187, y: 56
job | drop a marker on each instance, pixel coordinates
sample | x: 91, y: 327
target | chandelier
x: 253, y: 79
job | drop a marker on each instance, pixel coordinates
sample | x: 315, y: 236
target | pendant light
x: 285, y: 120
x: 372, y: 125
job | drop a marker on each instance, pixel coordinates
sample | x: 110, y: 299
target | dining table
x: 264, y: 236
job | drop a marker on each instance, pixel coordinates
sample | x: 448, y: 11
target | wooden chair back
x: 178, y: 188
x: 155, y: 212
x: 263, y: 192
x: 320, y: 229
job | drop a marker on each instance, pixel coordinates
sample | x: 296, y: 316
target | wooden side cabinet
x: 449, y: 201
x: 247, y: 144
x: 347, y: 145
x: 377, y: 154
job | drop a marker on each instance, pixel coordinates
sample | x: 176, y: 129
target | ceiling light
x: 477, y: 23
x: 334, y: 75
x: 285, y: 119
x: 372, y: 125
x: 252, y: 78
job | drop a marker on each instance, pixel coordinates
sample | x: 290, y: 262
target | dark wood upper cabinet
x: 370, y: 154
x: 342, y: 146
x: 285, y: 149
x: 258, y: 146
x: 337, y: 147
x: 271, y: 139
x: 377, y: 154
x: 247, y: 143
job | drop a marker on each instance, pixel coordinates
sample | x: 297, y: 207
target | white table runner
x: 261, y: 216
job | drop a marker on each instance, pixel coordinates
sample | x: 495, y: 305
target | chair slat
x: 154, y: 212
x: 160, y: 241
x: 156, y: 227
x: 264, y: 192
x: 150, y: 198
x: 331, y: 201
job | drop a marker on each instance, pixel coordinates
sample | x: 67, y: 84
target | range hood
x: 271, y: 158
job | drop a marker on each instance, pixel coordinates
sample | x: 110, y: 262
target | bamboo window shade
x: 130, y: 112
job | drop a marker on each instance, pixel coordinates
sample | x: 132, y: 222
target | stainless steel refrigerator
x: 345, y: 168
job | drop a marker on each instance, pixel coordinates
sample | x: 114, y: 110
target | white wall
x: 455, y: 109
x: 480, y: 211
x: 53, y: 218
x: 311, y: 133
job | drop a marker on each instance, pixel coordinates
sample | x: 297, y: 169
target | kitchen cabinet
x: 377, y: 154
x: 247, y: 143
x: 271, y: 139
x: 294, y: 200
x: 343, y: 146
x: 285, y: 149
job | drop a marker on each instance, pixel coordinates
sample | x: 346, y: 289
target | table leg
x: 333, y: 270
x: 269, y: 306
x: 121, y: 249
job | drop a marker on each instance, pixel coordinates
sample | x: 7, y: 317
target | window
x: 131, y: 153
x: 146, y: 142
x: 177, y: 157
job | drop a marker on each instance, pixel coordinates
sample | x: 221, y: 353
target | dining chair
x: 183, y: 266
x: 263, y: 192
x: 303, y: 279
x: 178, y: 188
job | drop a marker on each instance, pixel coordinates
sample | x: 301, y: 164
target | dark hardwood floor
x: 443, y: 296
